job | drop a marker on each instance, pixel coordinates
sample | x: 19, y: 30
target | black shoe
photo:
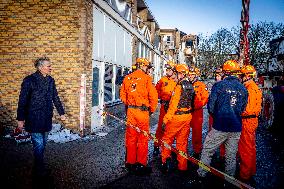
x: 131, y: 168
x: 167, y: 167
x: 196, y: 155
x: 156, y: 151
x: 183, y: 173
x: 43, y: 180
x: 174, y: 156
x: 142, y: 170
x: 174, y: 160
x: 250, y: 181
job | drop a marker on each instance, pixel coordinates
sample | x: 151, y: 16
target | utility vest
x: 187, y: 95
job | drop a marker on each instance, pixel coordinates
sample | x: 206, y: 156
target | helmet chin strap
x: 180, y: 79
x: 147, y: 69
x: 144, y: 70
x: 176, y: 78
x: 224, y: 76
x: 192, y: 80
x: 169, y: 76
x: 243, y: 81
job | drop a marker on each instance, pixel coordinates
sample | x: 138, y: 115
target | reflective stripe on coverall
x: 247, y: 146
x: 201, y: 99
x: 137, y: 90
x: 165, y: 88
x: 177, y: 126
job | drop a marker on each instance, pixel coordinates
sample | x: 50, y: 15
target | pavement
x: 98, y: 162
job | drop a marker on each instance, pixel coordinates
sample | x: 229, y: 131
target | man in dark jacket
x: 227, y: 101
x: 35, y: 109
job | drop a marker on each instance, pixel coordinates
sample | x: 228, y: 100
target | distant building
x: 188, y: 49
x: 179, y: 46
x: 171, y: 41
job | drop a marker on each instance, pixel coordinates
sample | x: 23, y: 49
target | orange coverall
x: 177, y: 127
x: 201, y: 98
x: 165, y: 87
x: 247, y: 146
x: 138, y: 91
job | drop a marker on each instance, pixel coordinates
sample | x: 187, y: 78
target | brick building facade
x: 58, y: 29
x: 64, y: 31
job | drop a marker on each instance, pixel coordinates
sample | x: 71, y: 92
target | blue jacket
x: 35, y: 106
x: 227, y: 101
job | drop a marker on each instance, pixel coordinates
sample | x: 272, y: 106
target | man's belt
x: 183, y: 112
x: 164, y: 101
x: 249, y: 116
x: 142, y: 108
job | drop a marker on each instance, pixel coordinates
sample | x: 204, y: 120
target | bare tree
x: 215, y: 49
x: 260, y: 34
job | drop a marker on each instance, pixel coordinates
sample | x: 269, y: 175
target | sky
x: 207, y: 16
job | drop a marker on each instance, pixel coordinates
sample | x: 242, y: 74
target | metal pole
x: 244, y: 42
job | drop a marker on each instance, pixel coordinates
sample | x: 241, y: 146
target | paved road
x: 98, y: 162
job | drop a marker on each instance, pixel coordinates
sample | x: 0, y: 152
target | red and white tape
x: 214, y: 171
x: 82, y: 102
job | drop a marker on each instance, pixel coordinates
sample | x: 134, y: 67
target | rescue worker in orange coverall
x: 201, y: 99
x: 141, y: 98
x: 247, y: 146
x: 177, y: 119
x: 165, y: 87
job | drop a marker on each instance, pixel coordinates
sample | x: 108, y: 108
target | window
x: 118, y: 81
x: 108, y: 78
x: 113, y: 79
x: 95, y: 87
x: 168, y: 38
x: 189, y: 43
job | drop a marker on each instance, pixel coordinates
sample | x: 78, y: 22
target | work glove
x: 163, y: 127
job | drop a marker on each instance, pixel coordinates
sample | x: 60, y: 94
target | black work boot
x: 131, y: 168
x: 156, y: 151
x: 251, y: 181
x: 142, y: 170
x: 174, y: 160
x: 167, y: 167
x: 196, y: 155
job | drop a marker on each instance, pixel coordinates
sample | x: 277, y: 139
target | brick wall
x: 134, y: 40
x: 58, y: 29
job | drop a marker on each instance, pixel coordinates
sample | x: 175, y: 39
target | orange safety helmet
x: 194, y: 71
x: 231, y: 66
x: 248, y: 70
x: 142, y: 62
x: 170, y: 65
x: 182, y: 68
